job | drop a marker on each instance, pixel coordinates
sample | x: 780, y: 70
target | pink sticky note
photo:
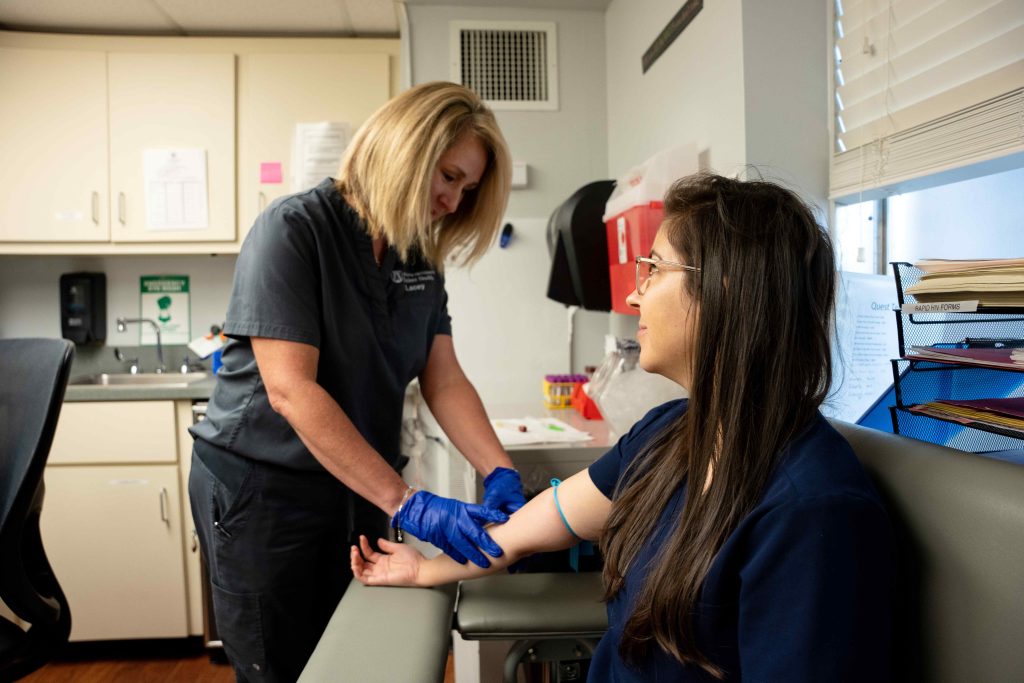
x: 270, y: 172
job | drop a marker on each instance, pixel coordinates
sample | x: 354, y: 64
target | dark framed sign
x: 671, y: 31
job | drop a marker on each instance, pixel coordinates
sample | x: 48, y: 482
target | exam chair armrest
x: 380, y: 634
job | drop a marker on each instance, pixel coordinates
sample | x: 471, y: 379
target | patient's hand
x: 398, y: 565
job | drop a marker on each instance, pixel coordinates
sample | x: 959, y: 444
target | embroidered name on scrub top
x: 415, y: 281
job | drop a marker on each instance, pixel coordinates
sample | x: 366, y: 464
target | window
x: 857, y: 236
x: 974, y: 218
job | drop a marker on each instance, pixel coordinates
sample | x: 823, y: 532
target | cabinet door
x: 53, y: 133
x: 276, y: 91
x: 164, y: 102
x: 113, y: 537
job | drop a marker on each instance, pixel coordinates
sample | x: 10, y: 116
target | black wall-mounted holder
x: 83, y: 307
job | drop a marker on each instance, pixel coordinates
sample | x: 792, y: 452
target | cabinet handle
x: 262, y: 201
x: 120, y: 207
x: 96, y: 208
x: 164, y: 517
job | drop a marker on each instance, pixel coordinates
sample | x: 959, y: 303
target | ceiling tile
x: 102, y: 16
x: 373, y: 17
x: 266, y: 17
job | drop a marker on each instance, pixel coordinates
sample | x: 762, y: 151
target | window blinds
x: 924, y: 86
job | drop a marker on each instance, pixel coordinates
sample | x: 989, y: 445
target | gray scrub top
x: 306, y: 273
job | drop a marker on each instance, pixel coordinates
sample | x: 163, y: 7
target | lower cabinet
x: 112, y: 520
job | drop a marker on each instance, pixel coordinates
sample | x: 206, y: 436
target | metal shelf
x: 920, y: 381
x: 948, y: 329
x: 969, y: 438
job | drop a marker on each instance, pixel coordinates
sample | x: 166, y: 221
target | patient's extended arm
x: 535, y: 527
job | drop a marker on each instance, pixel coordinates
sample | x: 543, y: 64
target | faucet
x: 122, y: 325
x: 133, y: 363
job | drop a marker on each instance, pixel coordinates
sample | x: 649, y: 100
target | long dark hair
x: 760, y: 367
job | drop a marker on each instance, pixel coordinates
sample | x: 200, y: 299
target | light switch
x: 519, y: 174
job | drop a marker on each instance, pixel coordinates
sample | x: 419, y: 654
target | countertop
x: 90, y: 392
x: 603, y: 437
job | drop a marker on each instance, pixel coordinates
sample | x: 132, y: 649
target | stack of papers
x: 991, y: 282
x: 1005, y: 415
x: 1009, y: 359
x: 529, y: 430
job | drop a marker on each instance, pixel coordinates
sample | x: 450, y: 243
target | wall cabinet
x: 78, y: 112
x: 165, y: 101
x: 55, y: 116
x: 277, y: 91
x: 112, y: 521
x: 53, y: 133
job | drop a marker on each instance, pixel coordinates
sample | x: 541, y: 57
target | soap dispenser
x: 83, y: 307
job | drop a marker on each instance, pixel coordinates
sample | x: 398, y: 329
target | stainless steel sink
x: 142, y: 379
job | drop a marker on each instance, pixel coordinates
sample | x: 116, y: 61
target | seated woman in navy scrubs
x: 742, y: 539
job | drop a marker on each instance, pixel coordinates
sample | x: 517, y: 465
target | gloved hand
x: 503, y: 490
x: 453, y: 526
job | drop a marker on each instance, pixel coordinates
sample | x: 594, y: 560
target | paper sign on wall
x: 316, y: 152
x: 165, y: 299
x: 176, y: 192
x: 867, y: 338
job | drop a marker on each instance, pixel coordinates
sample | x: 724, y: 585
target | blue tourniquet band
x: 554, y: 484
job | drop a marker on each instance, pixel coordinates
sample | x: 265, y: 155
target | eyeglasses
x: 646, y: 267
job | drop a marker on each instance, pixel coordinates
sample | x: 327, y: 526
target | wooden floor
x: 143, y: 662
x: 129, y: 661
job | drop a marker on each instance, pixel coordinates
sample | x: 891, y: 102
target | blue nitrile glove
x: 453, y: 526
x: 503, y: 490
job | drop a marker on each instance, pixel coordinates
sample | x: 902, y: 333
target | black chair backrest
x: 33, y: 376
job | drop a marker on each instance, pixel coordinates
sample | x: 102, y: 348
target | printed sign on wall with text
x: 165, y: 299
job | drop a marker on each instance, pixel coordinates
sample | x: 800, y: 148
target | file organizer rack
x: 920, y: 381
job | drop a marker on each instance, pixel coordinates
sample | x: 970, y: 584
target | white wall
x: 785, y: 89
x: 692, y: 94
x: 30, y: 296
x: 508, y: 335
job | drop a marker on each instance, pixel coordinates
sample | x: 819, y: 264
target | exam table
x: 959, y: 521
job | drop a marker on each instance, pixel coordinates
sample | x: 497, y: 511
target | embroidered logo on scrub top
x: 414, y: 282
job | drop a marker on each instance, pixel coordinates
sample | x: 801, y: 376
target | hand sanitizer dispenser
x: 83, y: 307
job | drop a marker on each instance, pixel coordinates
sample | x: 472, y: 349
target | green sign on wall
x: 165, y: 299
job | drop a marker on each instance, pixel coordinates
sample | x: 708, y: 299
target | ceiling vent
x: 510, y: 64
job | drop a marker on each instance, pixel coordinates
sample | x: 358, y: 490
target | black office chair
x: 33, y: 376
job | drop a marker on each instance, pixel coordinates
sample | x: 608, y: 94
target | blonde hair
x: 387, y: 170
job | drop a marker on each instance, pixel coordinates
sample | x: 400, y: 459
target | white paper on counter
x: 316, y: 152
x: 538, y: 430
x: 176, y: 193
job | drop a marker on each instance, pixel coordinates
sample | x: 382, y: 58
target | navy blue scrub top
x: 306, y: 273
x: 801, y: 590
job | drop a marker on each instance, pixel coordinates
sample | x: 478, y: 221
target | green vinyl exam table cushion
x: 385, y: 635
x: 524, y: 606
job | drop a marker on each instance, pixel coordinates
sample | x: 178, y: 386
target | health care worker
x: 338, y: 303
